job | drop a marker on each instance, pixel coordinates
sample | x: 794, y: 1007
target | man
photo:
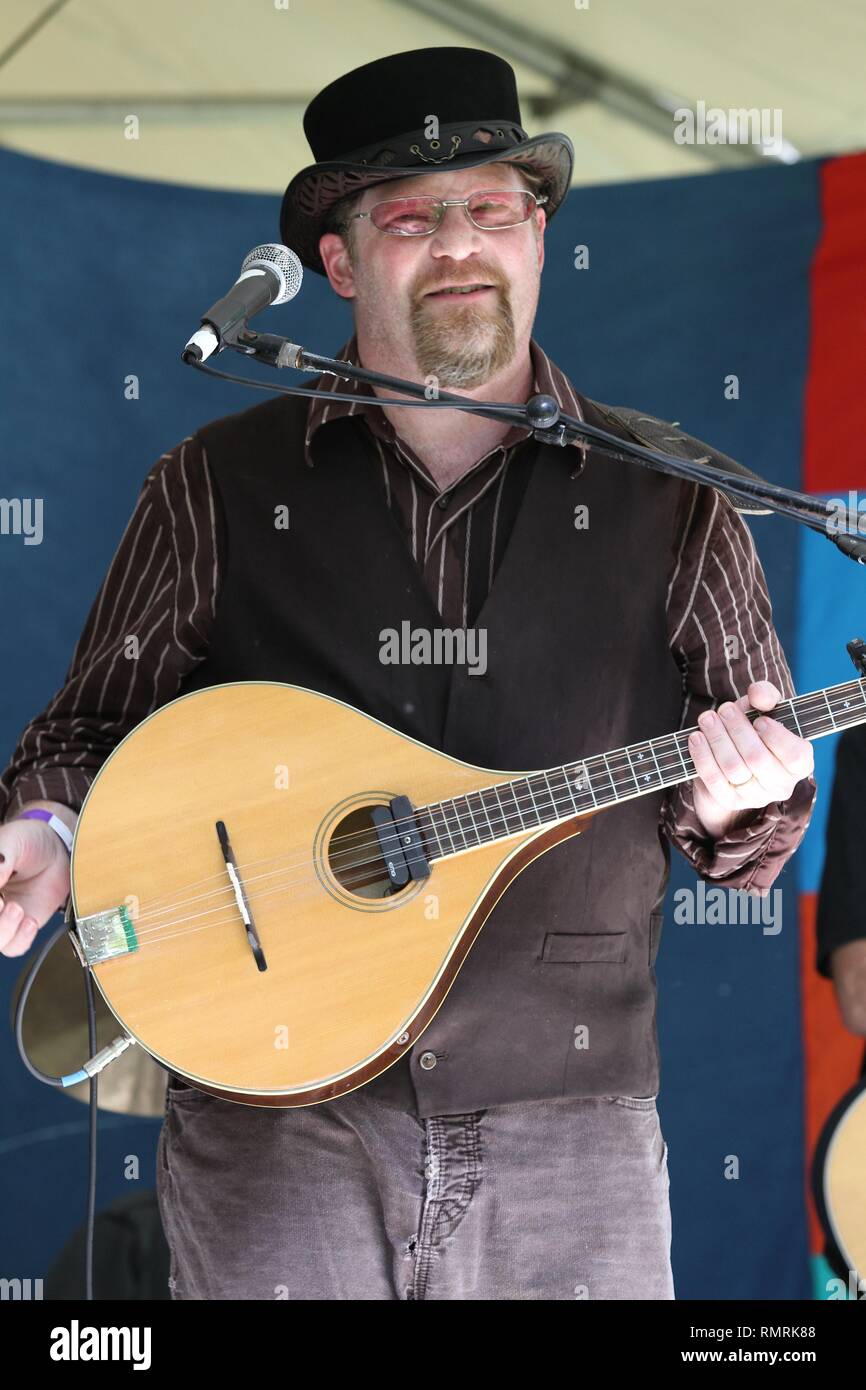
x: 840, y: 923
x: 516, y: 1152
x: 840, y: 928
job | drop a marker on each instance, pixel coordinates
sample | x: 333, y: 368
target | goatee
x: 465, y: 345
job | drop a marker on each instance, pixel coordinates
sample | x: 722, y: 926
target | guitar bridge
x: 103, y: 935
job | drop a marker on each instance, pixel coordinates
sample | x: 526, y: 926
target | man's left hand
x: 743, y: 765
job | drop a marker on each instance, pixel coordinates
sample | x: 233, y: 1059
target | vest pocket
x: 581, y: 948
x: 634, y: 1102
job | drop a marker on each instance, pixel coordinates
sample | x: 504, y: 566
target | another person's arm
x: 841, y: 914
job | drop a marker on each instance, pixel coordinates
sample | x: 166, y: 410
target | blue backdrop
x: 689, y: 280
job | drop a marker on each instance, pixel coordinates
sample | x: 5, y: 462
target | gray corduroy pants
x: 354, y: 1199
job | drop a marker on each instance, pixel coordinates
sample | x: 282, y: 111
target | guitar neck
x: 575, y: 789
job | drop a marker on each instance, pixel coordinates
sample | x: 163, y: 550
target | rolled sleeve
x: 750, y: 856
x: 720, y: 628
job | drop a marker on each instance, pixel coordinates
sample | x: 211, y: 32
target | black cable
x: 516, y: 410
x: 57, y: 1083
x: 785, y: 501
x: 90, y: 1220
x: 40, y: 1075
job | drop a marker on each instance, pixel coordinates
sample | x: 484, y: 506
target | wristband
x: 54, y: 821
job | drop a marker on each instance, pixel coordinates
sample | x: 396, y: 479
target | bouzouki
x: 275, y: 892
x: 837, y: 1185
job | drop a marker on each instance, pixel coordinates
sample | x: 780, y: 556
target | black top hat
x: 369, y: 126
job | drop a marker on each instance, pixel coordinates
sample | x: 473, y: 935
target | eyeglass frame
x: 455, y: 203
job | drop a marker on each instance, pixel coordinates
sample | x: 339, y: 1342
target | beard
x: 463, y: 345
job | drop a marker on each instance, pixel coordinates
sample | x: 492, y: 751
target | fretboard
x: 559, y: 794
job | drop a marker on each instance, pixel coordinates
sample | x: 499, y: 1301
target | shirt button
x: 428, y: 1060
x: 443, y: 500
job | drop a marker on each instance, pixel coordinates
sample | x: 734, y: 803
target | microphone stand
x: 542, y: 415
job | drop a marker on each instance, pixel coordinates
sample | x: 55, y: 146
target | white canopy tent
x: 219, y: 86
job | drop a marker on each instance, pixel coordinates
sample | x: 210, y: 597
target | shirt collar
x: 547, y: 380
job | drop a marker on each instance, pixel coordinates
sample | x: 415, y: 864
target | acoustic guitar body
x: 356, y: 968
x: 838, y: 1185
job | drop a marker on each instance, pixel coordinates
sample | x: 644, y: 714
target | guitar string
x: 616, y: 766
x: 366, y: 839
x: 347, y: 860
x: 226, y: 891
x: 155, y: 935
x: 156, y: 904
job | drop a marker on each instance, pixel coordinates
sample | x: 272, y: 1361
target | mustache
x: 482, y: 278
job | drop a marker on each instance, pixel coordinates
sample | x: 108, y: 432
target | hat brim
x: 313, y: 192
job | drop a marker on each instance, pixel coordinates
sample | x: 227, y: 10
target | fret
x: 517, y: 805
x: 829, y: 708
x: 480, y: 795
x: 678, y: 746
x: 582, y: 779
x: 532, y: 798
x: 793, y: 708
x: 516, y: 799
x: 846, y: 704
x: 610, y: 775
x: 453, y: 805
x: 651, y: 747
x: 502, y: 811
x: 553, y: 803
x: 472, y: 818
x: 567, y: 780
x: 646, y: 778
x: 444, y: 822
x: 426, y: 810
x: 630, y: 767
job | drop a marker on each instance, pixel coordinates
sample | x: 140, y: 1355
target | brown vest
x: 557, y: 997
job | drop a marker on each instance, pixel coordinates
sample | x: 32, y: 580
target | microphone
x: 270, y: 274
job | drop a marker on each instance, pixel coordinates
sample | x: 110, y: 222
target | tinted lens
x: 406, y: 216
x: 500, y: 207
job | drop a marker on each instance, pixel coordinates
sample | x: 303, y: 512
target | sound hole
x: 355, y: 856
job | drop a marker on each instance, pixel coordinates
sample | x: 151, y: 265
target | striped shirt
x: 163, y: 582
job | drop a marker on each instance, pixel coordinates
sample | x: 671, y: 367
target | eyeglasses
x: 492, y: 209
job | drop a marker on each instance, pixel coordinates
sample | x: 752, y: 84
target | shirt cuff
x: 68, y: 786
x: 749, y: 857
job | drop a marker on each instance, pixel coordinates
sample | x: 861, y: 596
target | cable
x: 747, y: 487
x: 516, y: 410
x: 60, y: 1082
x: 90, y: 1219
x: 89, y: 1072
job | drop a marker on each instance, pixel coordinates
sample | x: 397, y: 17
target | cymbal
x: 55, y: 1036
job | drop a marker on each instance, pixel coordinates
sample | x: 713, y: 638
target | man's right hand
x: 34, y: 879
